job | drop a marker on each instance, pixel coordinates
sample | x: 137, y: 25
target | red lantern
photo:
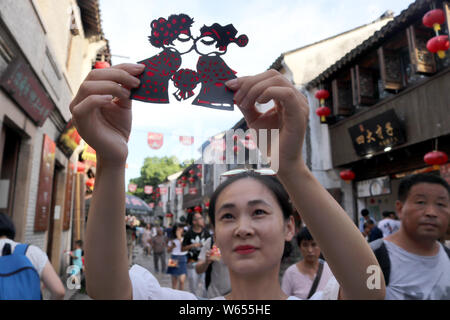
x: 434, y: 19
x: 90, y: 182
x: 435, y: 158
x: 183, y: 185
x: 322, y: 95
x: 199, y: 175
x: 80, y: 167
x: 191, y: 180
x: 199, y: 166
x: 189, y: 210
x: 191, y: 172
x: 235, y: 137
x: 184, y: 178
x: 207, y: 204
x: 101, y: 65
x: 438, y: 45
x: 347, y: 175
x: 198, y: 209
x: 323, y: 112
x: 236, y: 149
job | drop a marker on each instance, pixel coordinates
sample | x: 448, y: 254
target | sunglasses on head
x: 235, y: 172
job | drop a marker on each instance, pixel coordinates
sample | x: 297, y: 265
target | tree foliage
x: 154, y: 172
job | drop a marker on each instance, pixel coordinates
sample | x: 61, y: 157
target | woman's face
x: 310, y: 251
x: 249, y: 227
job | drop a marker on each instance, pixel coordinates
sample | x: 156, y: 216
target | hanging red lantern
x: 90, y: 183
x: 199, y: 166
x: 101, y: 65
x: 322, y: 95
x: 80, y: 167
x: 435, y: 158
x: 189, y: 210
x: 183, y: 185
x: 198, y: 209
x: 199, y: 175
x: 207, y: 204
x: 184, y: 178
x: 434, y: 19
x: 191, y: 172
x: 191, y: 180
x: 439, y: 45
x: 323, y: 112
x: 347, y: 175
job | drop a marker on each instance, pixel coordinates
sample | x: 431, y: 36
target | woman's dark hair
x: 173, y: 231
x: 271, y: 182
x: 7, y: 227
x: 304, y: 234
x: 407, y: 183
x: 165, y: 31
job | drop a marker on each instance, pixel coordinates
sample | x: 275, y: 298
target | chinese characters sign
x: 44, y: 197
x: 378, y: 133
x: 24, y: 87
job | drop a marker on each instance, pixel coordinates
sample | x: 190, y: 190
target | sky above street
x: 273, y: 27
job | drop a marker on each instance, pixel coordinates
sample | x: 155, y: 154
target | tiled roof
x: 413, y: 13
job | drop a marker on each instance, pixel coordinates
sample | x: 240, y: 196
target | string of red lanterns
x: 440, y: 43
x: 323, y: 111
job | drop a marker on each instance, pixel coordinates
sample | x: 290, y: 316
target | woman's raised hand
x: 101, y: 110
x: 289, y: 115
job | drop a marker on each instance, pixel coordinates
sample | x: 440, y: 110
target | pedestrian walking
x: 414, y: 263
x: 217, y: 277
x: 310, y: 274
x: 178, y: 259
x: 251, y: 213
x: 365, y: 217
x: 159, y: 246
x: 146, y: 238
x: 388, y: 225
x: 23, y: 267
x: 193, y: 242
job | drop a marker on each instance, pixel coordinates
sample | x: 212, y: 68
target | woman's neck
x: 264, y: 286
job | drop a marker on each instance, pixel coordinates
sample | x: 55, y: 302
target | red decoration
x: 191, y: 172
x: 169, y: 215
x: 90, y: 183
x: 183, y: 184
x: 101, y: 65
x: 80, y: 167
x: 323, y: 112
x: 132, y: 187
x: 434, y: 19
x: 199, y: 166
x: 199, y: 175
x: 236, y: 149
x: 439, y: 45
x: 322, y: 95
x: 184, y: 178
x: 189, y: 210
x: 198, y: 209
x: 155, y: 140
x: 148, y: 189
x: 207, y: 204
x: 435, y: 158
x: 347, y: 175
x: 191, y: 180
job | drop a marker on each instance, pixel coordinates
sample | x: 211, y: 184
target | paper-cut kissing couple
x: 174, y: 36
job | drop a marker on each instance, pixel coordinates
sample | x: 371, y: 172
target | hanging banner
x: 148, y: 189
x: 178, y: 190
x: 163, y: 190
x: 192, y: 190
x: 155, y: 140
x: 44, y: 194
x: 89, y: 155
x: 69, y: 140
x: 187, y: 141
x: 132, y: 187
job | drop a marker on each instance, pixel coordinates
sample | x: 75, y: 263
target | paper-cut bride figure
x: 212, y: 69
x: 174, y: 36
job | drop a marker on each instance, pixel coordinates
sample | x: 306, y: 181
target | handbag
x: 172, y: 263
x: 316, y: 280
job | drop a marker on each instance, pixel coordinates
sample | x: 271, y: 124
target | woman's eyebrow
x: 227, y: 206
x: 258, y: 202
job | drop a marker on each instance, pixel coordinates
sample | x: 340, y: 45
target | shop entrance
x: 9, y: 151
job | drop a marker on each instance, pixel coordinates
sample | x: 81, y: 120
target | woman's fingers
x: 110, y: 81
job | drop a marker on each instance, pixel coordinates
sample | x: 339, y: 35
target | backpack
x: 382, y: 255
x: 19, y: 280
